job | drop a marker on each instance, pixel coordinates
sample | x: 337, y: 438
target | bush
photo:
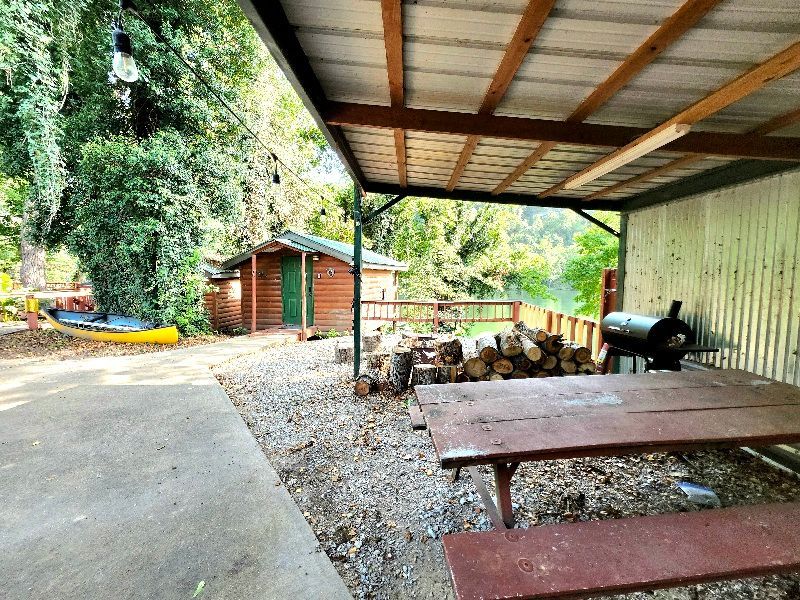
x: 141, y: 216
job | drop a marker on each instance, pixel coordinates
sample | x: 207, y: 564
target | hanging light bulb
x: 123, y: 64
x: 276, y: 178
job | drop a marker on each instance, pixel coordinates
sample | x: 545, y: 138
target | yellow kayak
x: 109, y: 327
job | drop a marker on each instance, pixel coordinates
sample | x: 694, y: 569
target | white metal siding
x: 732, y: 257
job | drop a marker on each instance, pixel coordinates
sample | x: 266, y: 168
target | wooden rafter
x: 581, y: 134
x: 391, y: 11
x: 681, y: 21
x: 779, y: 65
x: 533, y: 18
x: 775, y: 124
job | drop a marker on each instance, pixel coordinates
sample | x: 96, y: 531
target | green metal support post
x: 356, y: 280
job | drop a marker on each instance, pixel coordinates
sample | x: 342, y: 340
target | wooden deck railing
x: 584, y: 331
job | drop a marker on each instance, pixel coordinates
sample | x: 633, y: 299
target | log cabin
x: 301, y: 281
x: 223, y: 298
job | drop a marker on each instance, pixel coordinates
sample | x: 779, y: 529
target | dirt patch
x: 49, y: 344
x: 374, y: 494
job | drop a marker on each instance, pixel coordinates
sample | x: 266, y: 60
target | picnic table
x: 505, y: 423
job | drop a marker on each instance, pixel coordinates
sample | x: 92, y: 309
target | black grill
x: 661, y: 341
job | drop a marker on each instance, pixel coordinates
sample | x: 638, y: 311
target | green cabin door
x: 291, y: 284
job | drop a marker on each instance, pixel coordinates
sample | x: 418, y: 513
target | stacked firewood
x: 518, y: 353
x: 523, y: 352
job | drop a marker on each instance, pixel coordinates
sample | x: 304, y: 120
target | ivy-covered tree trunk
x: 31, y: 269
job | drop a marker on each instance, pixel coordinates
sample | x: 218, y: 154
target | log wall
x: 224, y: 303
x: 333, y: 291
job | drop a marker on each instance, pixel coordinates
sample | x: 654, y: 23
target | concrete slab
x: 134, y: 477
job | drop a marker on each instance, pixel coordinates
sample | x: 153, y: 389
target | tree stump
x: 509, y: 343
x: 423, y: 375
x: 535, y: 334
x: 473, y: 366
x: 487, y: 348
x: 448, y: 350
x: 371, y: 342
x: 400, y: 367
x: 344, y: 353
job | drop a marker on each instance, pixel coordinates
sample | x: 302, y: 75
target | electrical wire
x: 127, y: 5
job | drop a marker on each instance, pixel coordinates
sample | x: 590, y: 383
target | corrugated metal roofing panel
x: 452, y: 49
x: 732, y: 257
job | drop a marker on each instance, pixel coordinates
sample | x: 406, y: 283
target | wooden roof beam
x: 681, y: 21
x: 779, y: 65
x: 581, y: 134
x: 391, y: 11
x: 775, y: 124
x: 533, y: 18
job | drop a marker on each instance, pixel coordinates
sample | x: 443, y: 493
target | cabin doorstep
x: 302, y: 281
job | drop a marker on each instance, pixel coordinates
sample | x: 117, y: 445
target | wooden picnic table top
x: 552, y: 418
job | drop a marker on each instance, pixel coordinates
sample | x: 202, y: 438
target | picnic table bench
x: 504, y: 423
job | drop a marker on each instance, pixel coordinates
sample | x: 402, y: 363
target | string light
x: 128, y: 5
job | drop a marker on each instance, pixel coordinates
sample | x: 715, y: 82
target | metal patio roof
x: 584, y: 77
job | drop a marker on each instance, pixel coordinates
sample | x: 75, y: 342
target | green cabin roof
x: 304, y: 242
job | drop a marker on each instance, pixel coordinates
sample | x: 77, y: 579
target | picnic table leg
x: 502, y: 481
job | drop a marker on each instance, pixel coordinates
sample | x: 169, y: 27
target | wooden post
x: 253, y: 294
x: 435, y: 316
x: 216, y: 309
x: 515, y: 311
x: 303, y: 283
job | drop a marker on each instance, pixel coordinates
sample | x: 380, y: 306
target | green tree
x: 596, y: 250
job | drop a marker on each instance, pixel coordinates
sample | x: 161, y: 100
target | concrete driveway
x: 134, y: 477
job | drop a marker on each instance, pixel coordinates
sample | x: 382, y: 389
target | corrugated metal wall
x: 732, y: 256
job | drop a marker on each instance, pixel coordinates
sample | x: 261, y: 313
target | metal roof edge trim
x: 731, y: 174
x: 475, y: 196
x: 278, y: 36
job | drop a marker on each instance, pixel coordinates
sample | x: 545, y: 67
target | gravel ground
x: 374, y: 494
x: 49, y: 344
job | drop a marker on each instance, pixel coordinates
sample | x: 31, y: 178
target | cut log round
x: 487, y: 348
x: 364, y: 384
x: 576, y: 352
x: 535, y: 334
x: 446, y: 374
x: 549, y: 362
x: 473, y: 366
x: 423, y: 375
x: 531, y: 350
x: 495, y: 376
x: 371, y: 342
x: 582, y: 355
x: 344, y: 353
x: 509, y: 343
x: 503, y: 366
x: 567, y: 351
x: 521, y: 362
x: 448, y: 350
x: 462, y: 377
x: 553, y: 344
x: 568, y: 366
x: 543, y: 374
x: 400, y: 367
x: 587, y: 368
x: 519, y: 375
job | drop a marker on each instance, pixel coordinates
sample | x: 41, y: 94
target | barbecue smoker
x: 661, y: 341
